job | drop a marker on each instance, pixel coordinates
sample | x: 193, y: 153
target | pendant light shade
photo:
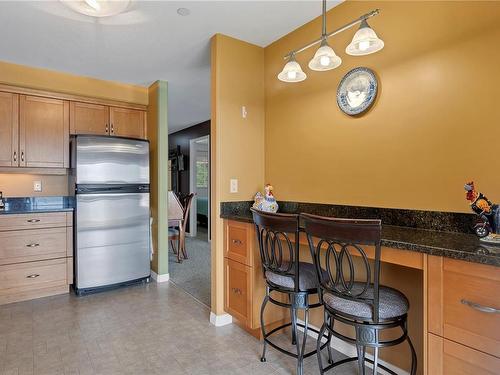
x: 364, y: 42
x: 292, y: 72
x: 324, y: 58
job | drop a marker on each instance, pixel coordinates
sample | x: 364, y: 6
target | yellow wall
x: 434, y: 126
x: 21, y: 185
x: 43, y: 79
x: 237, y: 143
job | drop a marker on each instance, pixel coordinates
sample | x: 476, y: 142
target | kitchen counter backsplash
x: 433, y: 220
x: 37, y: 204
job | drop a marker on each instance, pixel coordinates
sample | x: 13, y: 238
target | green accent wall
x: 162, y: 178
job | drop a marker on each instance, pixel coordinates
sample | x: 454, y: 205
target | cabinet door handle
x: 15, y: 155
x: 32, y: 276
x: 479, y: 307
x: 33, y: 220
x: 236, y: 290
x: 237, y: 242
x: 107, y: 128
x: 22, y: 155
x: 112, y: 129
x: 33, y: 245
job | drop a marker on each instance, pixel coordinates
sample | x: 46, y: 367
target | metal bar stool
x: 351, y: 293
x: 278, y: 238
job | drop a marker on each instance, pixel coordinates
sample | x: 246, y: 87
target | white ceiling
x: 148, y: 42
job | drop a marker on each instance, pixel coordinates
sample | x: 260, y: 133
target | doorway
x: 199, y: 182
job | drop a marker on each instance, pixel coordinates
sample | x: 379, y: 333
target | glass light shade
x: 324, y: 58
x: 98, y: 8
x: 292, y: 72
x: 364, y: 42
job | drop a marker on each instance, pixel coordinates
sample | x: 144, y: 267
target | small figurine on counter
x: 266, y: 203
x: 488, y: 226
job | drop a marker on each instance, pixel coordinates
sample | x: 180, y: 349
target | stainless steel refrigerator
x: 110, y: 178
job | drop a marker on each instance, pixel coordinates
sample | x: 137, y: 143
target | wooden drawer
x: 447, y: 357
x: 238, y: 241
x: 33, y: 279
x: 33, y: 244
x: 461, y: 295
x: 237, y: 294
x: 35, y: 221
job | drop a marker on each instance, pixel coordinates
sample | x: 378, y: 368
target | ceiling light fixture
x: 183, y: 12
x: 364, y: 42
x: 325, y: 57
x: 292, y: 72
x: 98, y: 8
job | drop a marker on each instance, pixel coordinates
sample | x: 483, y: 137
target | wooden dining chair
x: 179, y: 235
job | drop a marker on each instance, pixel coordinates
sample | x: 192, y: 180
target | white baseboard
x: 160, y: 278
x: 220, y: 320
x: 350, y: 351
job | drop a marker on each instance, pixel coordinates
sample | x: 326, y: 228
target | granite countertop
x: 456, y: 245
x: 29, y: 205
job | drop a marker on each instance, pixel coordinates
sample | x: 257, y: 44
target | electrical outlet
x: 37, y: 186
x: 233, y: 185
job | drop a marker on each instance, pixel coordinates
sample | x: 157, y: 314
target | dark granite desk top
x: 31, y: 205
x: 456, y: 245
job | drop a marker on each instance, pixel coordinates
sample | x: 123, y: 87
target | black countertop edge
x: 460, y: 246
x: 30, y: 205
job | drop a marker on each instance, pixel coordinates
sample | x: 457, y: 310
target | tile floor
x: 145, y: 329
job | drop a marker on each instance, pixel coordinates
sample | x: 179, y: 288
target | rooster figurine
x: 267, y: 202
x: 488, y: 225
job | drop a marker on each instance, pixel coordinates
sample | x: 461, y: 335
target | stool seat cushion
x: 172, y: 232
x: 392, y: 303
x: 307, y: 277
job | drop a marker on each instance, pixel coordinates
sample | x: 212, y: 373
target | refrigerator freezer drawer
x: 112, y: 239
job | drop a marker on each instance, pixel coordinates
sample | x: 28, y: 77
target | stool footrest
x: 287, y: 352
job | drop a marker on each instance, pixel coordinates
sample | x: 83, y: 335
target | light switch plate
x: 244, y: 112
x: 37, y: 186
x: 233, y: 185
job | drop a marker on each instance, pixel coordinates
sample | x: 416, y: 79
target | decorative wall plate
x: 357, y: 91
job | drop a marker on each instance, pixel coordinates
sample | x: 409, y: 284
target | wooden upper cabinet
x: 43, y: 132
x: 127, y: 122
x: 86, y: 118
x: 9, y: 129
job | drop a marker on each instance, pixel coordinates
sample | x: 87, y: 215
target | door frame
x: 192, y: 170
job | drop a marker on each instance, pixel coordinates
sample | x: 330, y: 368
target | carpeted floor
x: 193, y: 274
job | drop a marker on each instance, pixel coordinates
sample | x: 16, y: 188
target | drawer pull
x: 33, y: 245
x: 32, y: 276
x: 236, y: 290
x: 33, y: 220
x: 237, y: 242
x: 477, y: 306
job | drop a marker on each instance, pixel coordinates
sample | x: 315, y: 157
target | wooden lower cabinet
x: 36, y: 255
x: 463, y: 317
x: 238, y: 294
x: 244, y: 284
x: 450, y: 358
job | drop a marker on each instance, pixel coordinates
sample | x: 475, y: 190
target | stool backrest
x: 278, y: 238
x: 338, y: 241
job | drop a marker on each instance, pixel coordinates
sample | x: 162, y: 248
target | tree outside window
x: 202, y: 173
